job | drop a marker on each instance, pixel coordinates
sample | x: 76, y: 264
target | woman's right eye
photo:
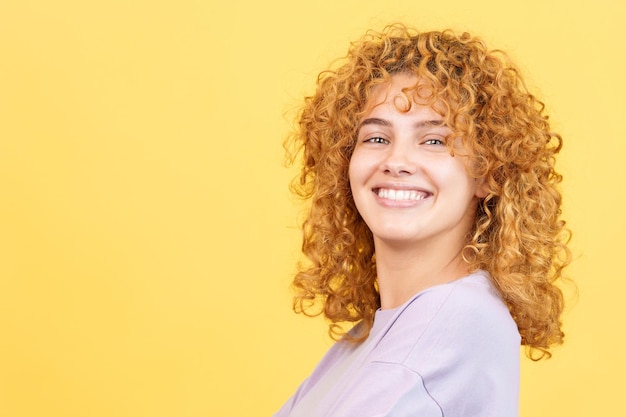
x: 377, y: 139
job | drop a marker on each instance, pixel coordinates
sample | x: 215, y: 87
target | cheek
x: 357, y: 179
x: 363, y: 163
x: 354, y: 169
x: 455, y: 176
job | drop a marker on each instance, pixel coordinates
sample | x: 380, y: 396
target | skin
x: 417, y: 199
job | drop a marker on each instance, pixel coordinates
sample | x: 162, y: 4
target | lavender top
x: 450, y: 351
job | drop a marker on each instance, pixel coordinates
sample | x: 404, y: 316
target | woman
x: 433, y: 224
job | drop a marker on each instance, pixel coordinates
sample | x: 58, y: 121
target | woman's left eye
x: 434, y: 142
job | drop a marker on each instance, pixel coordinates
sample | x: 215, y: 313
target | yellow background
x: 147, y: 235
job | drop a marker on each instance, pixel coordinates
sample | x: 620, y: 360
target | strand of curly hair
x: 519, y: 237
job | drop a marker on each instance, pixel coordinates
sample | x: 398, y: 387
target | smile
x: 400, y: 195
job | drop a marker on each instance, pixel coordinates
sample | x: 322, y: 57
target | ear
x: 482, y: 188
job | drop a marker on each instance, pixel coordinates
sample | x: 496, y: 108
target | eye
x: 377, y: 139
x: 434, y: 142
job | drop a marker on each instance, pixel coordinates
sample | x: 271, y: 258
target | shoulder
x: 473, y: 306
x: 464, y: 313
x: 464, y: 317
x: 462, y: 341
x: 465, y: 307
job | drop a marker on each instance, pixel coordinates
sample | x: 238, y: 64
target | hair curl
x: 518, y: 235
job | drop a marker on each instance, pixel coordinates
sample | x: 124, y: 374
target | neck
x: 405, y: 271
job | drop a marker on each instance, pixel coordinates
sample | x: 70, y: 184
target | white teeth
x: 400, y: 194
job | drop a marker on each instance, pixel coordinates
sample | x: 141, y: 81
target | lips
x: 400, y: 194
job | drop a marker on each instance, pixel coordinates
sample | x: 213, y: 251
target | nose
x: 398, y: 162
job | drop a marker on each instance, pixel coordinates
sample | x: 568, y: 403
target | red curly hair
x: 518, y: 236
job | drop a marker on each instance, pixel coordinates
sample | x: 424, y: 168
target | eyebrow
x: 383, y: 122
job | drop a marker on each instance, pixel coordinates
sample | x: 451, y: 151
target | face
x: 407, y: 186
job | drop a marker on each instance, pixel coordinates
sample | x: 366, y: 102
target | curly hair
x: 518, y: 235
